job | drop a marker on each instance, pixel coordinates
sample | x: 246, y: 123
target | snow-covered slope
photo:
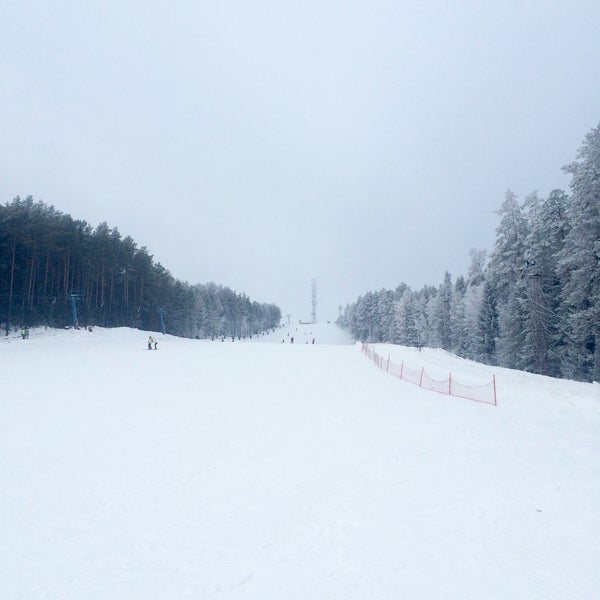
x: 253, y: 470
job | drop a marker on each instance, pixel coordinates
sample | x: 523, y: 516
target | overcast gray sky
x: 259, y: 144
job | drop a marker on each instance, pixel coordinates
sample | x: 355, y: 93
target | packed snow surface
x: 253, y: 470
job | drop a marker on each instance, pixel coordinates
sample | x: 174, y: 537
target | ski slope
x: 257, y: 470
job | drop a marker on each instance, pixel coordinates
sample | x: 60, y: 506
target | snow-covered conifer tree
x: 505, y: 273
x: 547, y: 230
x: 439, y: 314
x: 579, y: 265
x: 405, y: 319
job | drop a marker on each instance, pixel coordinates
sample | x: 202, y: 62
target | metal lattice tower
x: 314, y: 300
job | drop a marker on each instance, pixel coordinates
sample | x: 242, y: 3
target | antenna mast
x: 314, y: 300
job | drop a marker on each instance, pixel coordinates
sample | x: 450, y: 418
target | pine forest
x: 533, y: 304
x: 60, y: 272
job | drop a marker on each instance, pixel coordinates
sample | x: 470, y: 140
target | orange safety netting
x: 482, y: 393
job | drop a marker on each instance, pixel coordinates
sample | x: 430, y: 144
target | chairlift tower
x: 161, y: 311
x: 75, y: 296
x: 314, y: 301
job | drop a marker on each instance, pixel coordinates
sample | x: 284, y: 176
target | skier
x: 150, y: 340
x: 155, y: 344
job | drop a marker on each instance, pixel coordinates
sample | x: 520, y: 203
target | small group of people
x: 292, y: 341
x: 152, y: 343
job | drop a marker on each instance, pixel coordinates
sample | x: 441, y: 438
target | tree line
x: 533, y: 304
x: 54, y: 269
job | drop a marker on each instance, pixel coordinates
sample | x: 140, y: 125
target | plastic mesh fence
x: 483, y: 393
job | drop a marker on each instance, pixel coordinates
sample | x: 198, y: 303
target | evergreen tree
x: 472, y: 302
x: 547, y: 231
x: 405, y: 320
x: 458, y: 324
x: 579, y: 265
x: 505, y: 273
x: 476, y: 272
x: 385, y: 310
x: 487, y: 324
x: 439, y: 314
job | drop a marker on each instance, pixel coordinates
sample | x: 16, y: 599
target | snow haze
x: 261, y: 145
x: 260, y: 469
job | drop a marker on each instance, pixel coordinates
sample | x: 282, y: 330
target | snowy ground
x: 250, y: 470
